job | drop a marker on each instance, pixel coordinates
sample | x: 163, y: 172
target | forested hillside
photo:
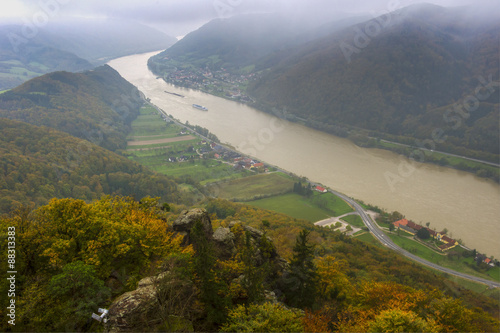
x: 73, y: 258
x: 40, y: 163
x: 97, y: 105
x: 238, y: 43
x: 400, y: 77
x: 411, y: 77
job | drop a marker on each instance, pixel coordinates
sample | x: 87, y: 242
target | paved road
x: 381, y: 236
x: 442, y: 152
x: 384, y: 239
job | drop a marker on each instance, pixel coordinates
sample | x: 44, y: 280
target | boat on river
x: 200, y: 107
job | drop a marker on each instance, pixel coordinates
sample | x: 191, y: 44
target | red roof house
x: 320, y: 189
x: 400, y: 223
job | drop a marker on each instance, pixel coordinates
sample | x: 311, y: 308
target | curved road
x: 384, y: 239
x: 381, y: 236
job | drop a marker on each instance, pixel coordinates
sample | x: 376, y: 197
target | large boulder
x: 224, y: 240
x: 135, y: 309
x: 188, y: 218
x: 140, y: 310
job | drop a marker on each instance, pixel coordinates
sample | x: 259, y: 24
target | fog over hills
x: 71, y: 44
x: 394, y: 75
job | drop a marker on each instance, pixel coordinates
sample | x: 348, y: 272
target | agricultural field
x: 168, y: 148
x: 315, y: 208
x: 253, y: 187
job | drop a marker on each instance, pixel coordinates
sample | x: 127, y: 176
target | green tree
x: 301, y: 282
x: 213, y: 291
x: 423, y: 234
x: 265, y: 317
x: 79, y: 292
x: 253, y: 276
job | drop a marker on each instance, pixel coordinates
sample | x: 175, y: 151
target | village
x: 211, y: 150
x: 217, y: 82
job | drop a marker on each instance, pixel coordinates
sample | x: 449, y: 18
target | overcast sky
x: 178, y: 17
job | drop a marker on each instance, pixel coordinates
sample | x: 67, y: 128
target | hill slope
x: 71, y: 45
x: 40, y: 163
x: 21, y: 62
x: 401, y: 81
x: 241, y: 41
x: 97, y: 105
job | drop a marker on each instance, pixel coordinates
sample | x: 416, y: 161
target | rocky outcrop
x: 224, y: 240
x: 130, y: 310
x: 139, y: 309
x: 187, y: 219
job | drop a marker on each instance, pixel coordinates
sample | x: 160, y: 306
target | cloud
x: 181, y: 16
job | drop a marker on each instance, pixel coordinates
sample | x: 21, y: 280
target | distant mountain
x: 99, y: 40
x: 40, y: 163
x: 401, y: 79
x: 73, y: 45
x: 239, y: 41
x: 21, y: 62
x: 97, y: 105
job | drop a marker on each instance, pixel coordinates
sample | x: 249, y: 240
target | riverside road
x: 384, y: 239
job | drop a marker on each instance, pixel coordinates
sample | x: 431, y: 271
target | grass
x: 293, y: 205
x: 354, y: 220
x: 150, y: 123
x: 259, y: 185
x: 368, y: 237
x: 150, y: 126
x: 331, y: 203
x: 459, y: 264
x: 2, y: 91
x: 315, y: 208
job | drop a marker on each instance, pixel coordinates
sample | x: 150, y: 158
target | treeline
x: 97, y: 105
x: 39, y: 163
x: 304, y: 190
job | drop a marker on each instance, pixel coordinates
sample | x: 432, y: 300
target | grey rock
x: 187, y: 219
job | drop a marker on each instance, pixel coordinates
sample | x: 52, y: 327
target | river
x: 468, y: 206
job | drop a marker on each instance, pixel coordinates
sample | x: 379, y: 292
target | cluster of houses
x: 249, y: 164
x: 412, y: 228
x: 202, y: 79
x: 239, y: 162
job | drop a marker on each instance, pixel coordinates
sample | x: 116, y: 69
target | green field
x: 354, y: 220
x: 252, y: 187
x: 293, y: 205
x: 150, y: 126
x: 368, y: 237
x: 150, y: 123
x: 316, y: 208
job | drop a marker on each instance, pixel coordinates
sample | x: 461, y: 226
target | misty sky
x: 178, y: 17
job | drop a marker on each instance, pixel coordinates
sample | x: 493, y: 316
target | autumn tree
x: 265, y: 317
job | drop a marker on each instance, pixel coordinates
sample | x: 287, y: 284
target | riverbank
x: 234, y: 87
x: 445, y: 197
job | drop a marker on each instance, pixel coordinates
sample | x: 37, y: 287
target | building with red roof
x: 320, y: 189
